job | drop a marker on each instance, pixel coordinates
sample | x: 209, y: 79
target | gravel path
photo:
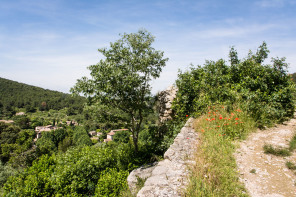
x: 263, y: 174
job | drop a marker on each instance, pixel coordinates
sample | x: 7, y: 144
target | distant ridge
x: 21, y: 95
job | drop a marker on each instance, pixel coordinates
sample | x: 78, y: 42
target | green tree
x: 122, y: 78
x: 121, y: 136
x: 80, y: 137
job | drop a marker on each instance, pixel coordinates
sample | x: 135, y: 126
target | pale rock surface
x: 165, y: 99
x: 143, y: 172
x: 169, y: 177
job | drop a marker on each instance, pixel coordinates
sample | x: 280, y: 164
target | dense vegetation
x: 122, y: 79
x: 266, y: 92
x: 229, y: 102
x: 18, y: 95
x: 66, y: 162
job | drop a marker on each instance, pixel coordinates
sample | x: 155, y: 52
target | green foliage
x: 269, y: 149
x: 122, y: 79
x: 5, y: 172
x: 214, y: 172
x: 77, y: 172
x: 291, y: 165
x: 80, y: 137
x: 50, y: 141
x: 292, y: 144
x: 22, y: 121
x: 266, y: 91
x: 15, y: 145
x: 122, y: 136
x: 111, y: 183
x: 18, y: 95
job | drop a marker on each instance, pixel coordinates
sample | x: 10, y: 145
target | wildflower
x: 186, y: 115
x: 232, y: 114
x: 220, y: 117
x: 213, y: 118
x: 209, y: 112
x: 202, y: 130
x: 229, y: 119
x: 236, y: 118
x: 236, y: 123
x: 218, y: 126
x: 222, y: 107
x: 225, y: 118
x: 207, y: 119
x: 219, y: 134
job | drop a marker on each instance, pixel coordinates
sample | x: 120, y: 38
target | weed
x: 292, y: 145
x: 279, y: 151
x: 290, y: 165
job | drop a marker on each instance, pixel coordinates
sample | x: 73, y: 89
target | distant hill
x: 14, y: 94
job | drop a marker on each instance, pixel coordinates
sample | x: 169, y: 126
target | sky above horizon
x: 50, y: 43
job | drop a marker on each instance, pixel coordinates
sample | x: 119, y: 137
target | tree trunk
x: 135, y: 139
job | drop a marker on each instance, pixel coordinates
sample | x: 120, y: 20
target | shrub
x: 111, y: 183
x: 266, y: 91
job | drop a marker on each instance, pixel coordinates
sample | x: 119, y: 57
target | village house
x: 20, y: 114
x: 92, y: 133
x: 99, y: 134
x: 112, y: 133
x: 72, y: 122
x: 40, y: 129
x: 7, y: 121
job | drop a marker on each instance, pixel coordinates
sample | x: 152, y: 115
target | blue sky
x: 50, y: 43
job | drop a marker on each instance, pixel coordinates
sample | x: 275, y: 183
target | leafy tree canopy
x: 122, y: 78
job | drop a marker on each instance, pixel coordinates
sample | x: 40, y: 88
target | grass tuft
x: 290, y: 165
x: 292, y: 145
x: 279, y: 151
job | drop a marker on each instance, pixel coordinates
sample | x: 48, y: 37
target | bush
x: 80, y: 137
x: 74, y: 173
x: 111, y: 183
x: 266, y: 91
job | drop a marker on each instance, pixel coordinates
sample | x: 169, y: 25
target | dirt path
x: 271, y: 178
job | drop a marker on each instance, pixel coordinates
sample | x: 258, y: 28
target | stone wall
x: 169, y: 176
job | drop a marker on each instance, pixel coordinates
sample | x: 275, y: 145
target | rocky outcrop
x: 165, y: 99
x: 143, y: 173
x: 169, y: 176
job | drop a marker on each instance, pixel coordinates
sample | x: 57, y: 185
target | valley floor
x: 265, y: 174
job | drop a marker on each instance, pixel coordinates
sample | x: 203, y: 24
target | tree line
x: 15, y: 95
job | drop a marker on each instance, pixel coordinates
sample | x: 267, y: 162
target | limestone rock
x: 169, y: 177
x: 165, y: 99
x: 143, y: 172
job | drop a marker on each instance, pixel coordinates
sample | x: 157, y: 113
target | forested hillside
x: 19, y: 95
